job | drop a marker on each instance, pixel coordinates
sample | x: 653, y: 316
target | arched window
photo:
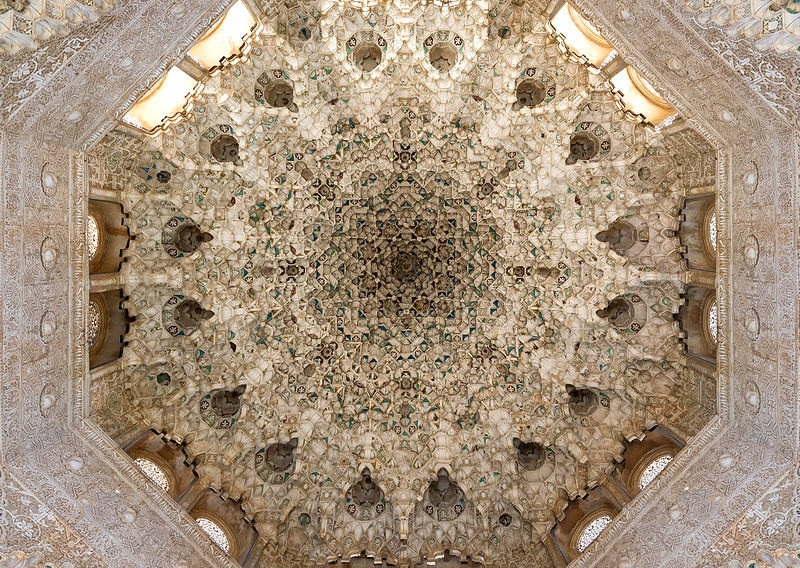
x: 93, y: 329
x: 215, y: 533
x: 653, y: 469
x: 711, y: 230
x: 591, y: 531
x: 153, y: 472
x: 710, y: 319
x: 92, y: 237
x: 707, y: 227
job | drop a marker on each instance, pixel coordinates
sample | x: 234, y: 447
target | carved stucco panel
x: 67, y: 470
x: 26, y: 524
x: 775, y: 76
x: 721, y: 479
x: 22, y: 74
x: 43, y: 197
x: 102, y: 67
x: 770, y: 523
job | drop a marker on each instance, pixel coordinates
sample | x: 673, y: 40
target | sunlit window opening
x: 592, y: 531
x: 153, y: 472
x: 92, y: 237
x: 712, y: 230
x: 653, y: 469
x: 712, y: 321
x: 227, y: 39
x: 580, y: 37
x: 638, y: 97
x: 164, y: 103
x: 215, y: 533
x: 93, y: 329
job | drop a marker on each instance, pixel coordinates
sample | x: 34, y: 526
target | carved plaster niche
x: 365, y: 500
x: 443, y: 500
x: 182, y: 315
x: 366, y: 50
x: 276, y: 463
x: 275, y: 89
x: 626, y: 313
x: 589, y: 142
x: 529, y: 93
x: 442, y: 50
x: 532, y: 456
x: 221, y: 408
x: 220, y: 145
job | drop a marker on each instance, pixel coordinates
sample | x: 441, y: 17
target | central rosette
x: 411, y: 257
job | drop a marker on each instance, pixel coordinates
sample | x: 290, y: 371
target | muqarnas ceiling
x: 404, y: 279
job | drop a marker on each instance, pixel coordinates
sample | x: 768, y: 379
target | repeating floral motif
x: 767, y: 25
x: 23, y: 24
x: 776, y: 76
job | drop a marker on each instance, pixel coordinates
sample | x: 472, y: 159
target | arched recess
x: 361, y: 561
x: 229, y: 516
x: 107, y: 236
x: 698, y: 322
x: 169, y: 457
x: 107, y: 324
x: 579, y: 515
x: 698, y: 233
x: 448, y: 561
x: 656, y: 448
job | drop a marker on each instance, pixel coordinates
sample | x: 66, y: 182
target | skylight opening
x: 171, y: 98
x: 637, y: 97
x: 580, y: 37
x: 228, y: 39
x: 165, y: 103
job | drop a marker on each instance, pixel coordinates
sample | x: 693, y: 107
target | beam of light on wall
x: 579, y: 36
x: 227, y: 39
x: 164, y: 102
x: 639, y: 98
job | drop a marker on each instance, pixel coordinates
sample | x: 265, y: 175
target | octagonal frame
x: 52, y: 451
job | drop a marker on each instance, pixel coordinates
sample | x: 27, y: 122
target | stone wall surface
x: 68, y: 494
